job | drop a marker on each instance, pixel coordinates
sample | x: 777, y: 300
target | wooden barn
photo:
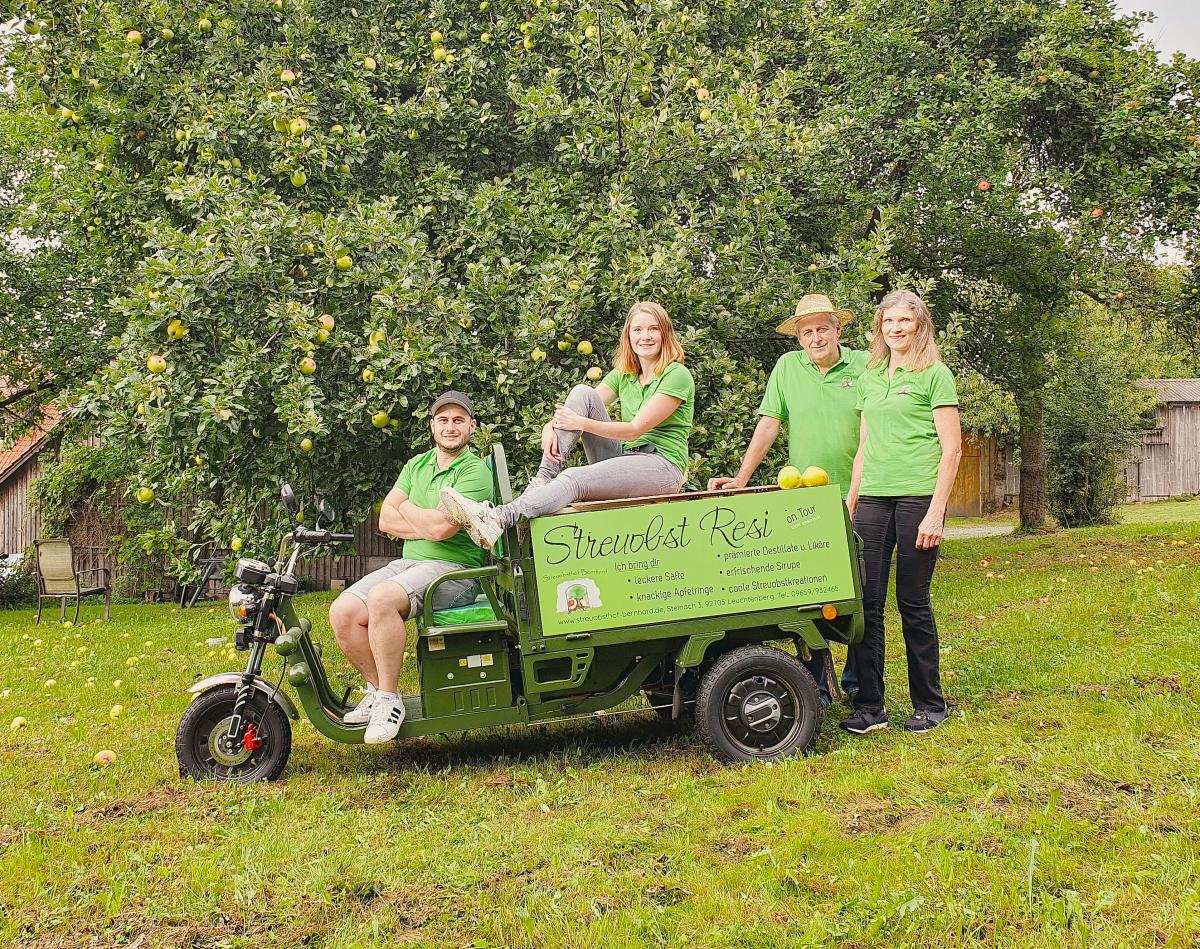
x: 1167, y: 462
x: 987, y: 479
x: 19, y: 522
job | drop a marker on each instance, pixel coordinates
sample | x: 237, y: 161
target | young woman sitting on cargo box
x: 644, y: 454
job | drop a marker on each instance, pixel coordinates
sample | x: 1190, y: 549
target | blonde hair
x: 628, y: 362
x: 924, y: 351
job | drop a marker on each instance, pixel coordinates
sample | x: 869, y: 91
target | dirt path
x: 984, y: 530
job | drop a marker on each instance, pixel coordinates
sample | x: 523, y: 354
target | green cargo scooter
x: 674, y: 597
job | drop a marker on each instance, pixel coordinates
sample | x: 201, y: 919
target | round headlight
x: 243, y: 602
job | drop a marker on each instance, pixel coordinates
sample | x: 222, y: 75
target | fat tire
x: 217, y: 703
x: 739, y: 665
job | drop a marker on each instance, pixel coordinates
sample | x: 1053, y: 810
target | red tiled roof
x: 15, y: 455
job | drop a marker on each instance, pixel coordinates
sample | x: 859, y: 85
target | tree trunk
x: 1033, y: 462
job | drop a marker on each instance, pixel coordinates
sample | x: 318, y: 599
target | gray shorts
x: 414, y: 576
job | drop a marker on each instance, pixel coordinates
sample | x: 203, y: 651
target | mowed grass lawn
x: 1060, y: 805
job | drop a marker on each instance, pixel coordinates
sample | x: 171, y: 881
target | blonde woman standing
x: 909, y: 448
x: 644, y: 454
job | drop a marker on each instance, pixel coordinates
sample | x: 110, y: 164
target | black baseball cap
x: 453, y: 397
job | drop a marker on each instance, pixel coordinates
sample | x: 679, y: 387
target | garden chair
x: 58, y: 579
x: 209, y: 562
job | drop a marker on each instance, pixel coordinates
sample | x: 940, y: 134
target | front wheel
x: 757, y: 703
x: 203, y: 753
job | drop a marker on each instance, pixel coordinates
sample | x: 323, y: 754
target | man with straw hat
x: 814, y: 390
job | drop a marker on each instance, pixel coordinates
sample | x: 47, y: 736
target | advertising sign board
x: 683, y: 559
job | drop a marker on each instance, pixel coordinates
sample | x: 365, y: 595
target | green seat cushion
x: 478, y: 612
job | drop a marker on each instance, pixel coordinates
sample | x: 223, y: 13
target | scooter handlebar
x: 304, y: 535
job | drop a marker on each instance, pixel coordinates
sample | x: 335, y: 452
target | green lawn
x: 1147, y: 512
x: 1060, y: 805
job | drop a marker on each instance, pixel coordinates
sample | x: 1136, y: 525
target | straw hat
x: 810, y: 305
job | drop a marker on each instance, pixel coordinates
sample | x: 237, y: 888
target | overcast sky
x: 1176, y: 25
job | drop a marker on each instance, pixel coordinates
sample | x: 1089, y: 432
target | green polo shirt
x: 422, y: 480
x: 820, y: 410
x: 903, y: 451
x: 670, y: 436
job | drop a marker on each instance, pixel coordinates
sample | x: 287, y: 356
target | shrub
x: 18, y: 586
x: 1093, y: 416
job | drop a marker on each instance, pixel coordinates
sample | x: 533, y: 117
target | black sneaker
x: 861, y: 721
x: 924, y: 721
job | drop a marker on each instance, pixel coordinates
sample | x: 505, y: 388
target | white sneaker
x: 479, y: 518
x: 387, y: 715
x: 361, y: 713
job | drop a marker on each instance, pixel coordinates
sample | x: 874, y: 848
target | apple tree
x: 319, y: 217
x: 341, y: 211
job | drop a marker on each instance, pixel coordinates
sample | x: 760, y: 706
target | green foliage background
x: 517, y: 181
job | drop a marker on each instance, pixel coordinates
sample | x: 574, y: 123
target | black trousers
x: 889, y: 525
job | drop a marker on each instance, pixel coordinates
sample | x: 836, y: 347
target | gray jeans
x: 610, y: 472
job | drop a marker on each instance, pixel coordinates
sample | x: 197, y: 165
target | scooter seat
x: 478, y: 612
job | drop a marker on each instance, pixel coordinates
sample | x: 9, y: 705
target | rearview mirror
x: 289, y: 498
x: 325, y: 509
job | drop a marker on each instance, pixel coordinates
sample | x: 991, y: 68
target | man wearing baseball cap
x: 368, y: 617
x: 814, y: 391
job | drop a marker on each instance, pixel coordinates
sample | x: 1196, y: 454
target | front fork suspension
x: 258, y: 649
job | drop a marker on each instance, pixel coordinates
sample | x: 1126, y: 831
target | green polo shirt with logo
x: 820, y: 410
x: 670, y: 436
x: 422, y: 480
x: 903, y: 451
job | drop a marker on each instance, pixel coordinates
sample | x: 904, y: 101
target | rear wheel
x: 202, y: 749
x: 757, y: 703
